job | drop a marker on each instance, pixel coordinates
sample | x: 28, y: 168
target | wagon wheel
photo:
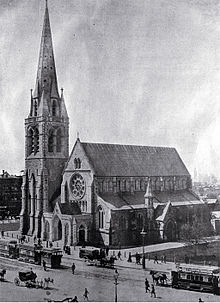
x: 17, y: 281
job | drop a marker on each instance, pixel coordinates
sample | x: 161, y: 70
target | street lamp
x: 143, y: 233
x: 116, y: 283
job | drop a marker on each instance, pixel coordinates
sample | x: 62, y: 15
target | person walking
x: 85, y: 295
x: 129, y: 257
x: 44, y: 265
x: 73, y: 268
x: 153, y: 292
x: 119, y: 255
x: 155, y: 259
x: 165, y: 259
x: 147, y: 285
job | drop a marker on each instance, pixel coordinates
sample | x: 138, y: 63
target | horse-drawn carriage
x: 29, y: 279
x: 97, y: 257
x: 160, y: 278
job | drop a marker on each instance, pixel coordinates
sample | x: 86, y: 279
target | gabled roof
x: 132, y: 160
x: 165, y: 212
x: 131, y: 200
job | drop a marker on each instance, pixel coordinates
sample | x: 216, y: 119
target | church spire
x: 46, y: 72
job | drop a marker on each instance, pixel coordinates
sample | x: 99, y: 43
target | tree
x: 196, y: 231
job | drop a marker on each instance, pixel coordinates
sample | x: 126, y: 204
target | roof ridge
x: 132, y: 145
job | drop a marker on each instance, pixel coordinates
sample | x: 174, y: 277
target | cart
x: 27, y: 278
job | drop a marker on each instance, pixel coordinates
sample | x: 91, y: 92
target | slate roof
x: 120, y: 200
x: 132, y: 160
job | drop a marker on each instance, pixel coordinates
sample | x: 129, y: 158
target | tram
x: 197, y: 279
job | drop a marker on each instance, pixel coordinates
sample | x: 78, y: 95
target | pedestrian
x: 153, y: 291
x: 107, y: 250
x: 155, y: 259
x: 129, y: 257
x: 73, y: 268
x: 116, y: 272
x: 200, y: 300
x: 44, y: 265
x: 165, y: 259
x: 119, y: 255
x: 138, y: 259
x: 85, y: 295
x: 75, y: 299
x: 147, y: 285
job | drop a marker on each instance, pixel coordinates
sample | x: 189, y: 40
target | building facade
x: 102, y: 194
x: 10, y: 195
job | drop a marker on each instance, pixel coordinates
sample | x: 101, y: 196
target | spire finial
x: 31, y: 93
x: 46, y: 2
x: 77, y: 134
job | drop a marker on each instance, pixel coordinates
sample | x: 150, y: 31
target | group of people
x: 151, y: 290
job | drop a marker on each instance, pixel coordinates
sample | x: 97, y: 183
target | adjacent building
x: 10, y: 195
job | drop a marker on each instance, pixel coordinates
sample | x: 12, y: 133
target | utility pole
x: 143, y: 234
x: 116, y: 284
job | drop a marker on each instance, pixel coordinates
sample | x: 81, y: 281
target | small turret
x: 148, y: 197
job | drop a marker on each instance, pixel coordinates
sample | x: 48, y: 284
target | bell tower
x: 46, y: 140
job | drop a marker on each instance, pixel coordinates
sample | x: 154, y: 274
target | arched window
x: 51, y: 141
x: 30, y: 141
x: 35, y: 108
x: 101, y: 218
x: 124, y: 185
x: 36, y: 141
x: 77, y: 163
x: 66, y: 193
x: 59, y: 140
x: 137, y: 184
x: 140, y: 221
x: 54, y: 108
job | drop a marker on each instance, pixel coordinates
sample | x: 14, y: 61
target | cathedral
x: 100, y: 194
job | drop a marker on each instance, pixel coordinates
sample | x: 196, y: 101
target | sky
x: 137, y: 72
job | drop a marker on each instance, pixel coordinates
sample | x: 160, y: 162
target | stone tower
x: 46, y: 141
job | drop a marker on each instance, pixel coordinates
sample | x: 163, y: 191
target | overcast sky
x: 143, y: 72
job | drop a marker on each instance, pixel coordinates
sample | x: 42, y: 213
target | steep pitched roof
x: 132, y: 160
x: 46, y: 72
x: 132, y: 200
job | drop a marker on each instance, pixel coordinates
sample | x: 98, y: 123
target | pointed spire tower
x: 46, y: 141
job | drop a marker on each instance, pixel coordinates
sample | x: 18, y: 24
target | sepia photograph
x: 110, y: 151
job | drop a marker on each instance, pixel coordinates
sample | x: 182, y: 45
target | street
x: 98, y: 281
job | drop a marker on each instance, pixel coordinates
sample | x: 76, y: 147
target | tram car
x: 197, y: 279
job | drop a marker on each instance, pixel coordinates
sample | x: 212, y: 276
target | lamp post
x: 116, y: 284
x: 143, y: 233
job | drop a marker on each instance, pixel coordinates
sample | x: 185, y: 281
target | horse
x: 158, y: 277
x: 47, y: 281
x: 155, y: 277
x: 2, y: 274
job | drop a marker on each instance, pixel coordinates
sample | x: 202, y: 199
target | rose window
x: 78, y: 186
